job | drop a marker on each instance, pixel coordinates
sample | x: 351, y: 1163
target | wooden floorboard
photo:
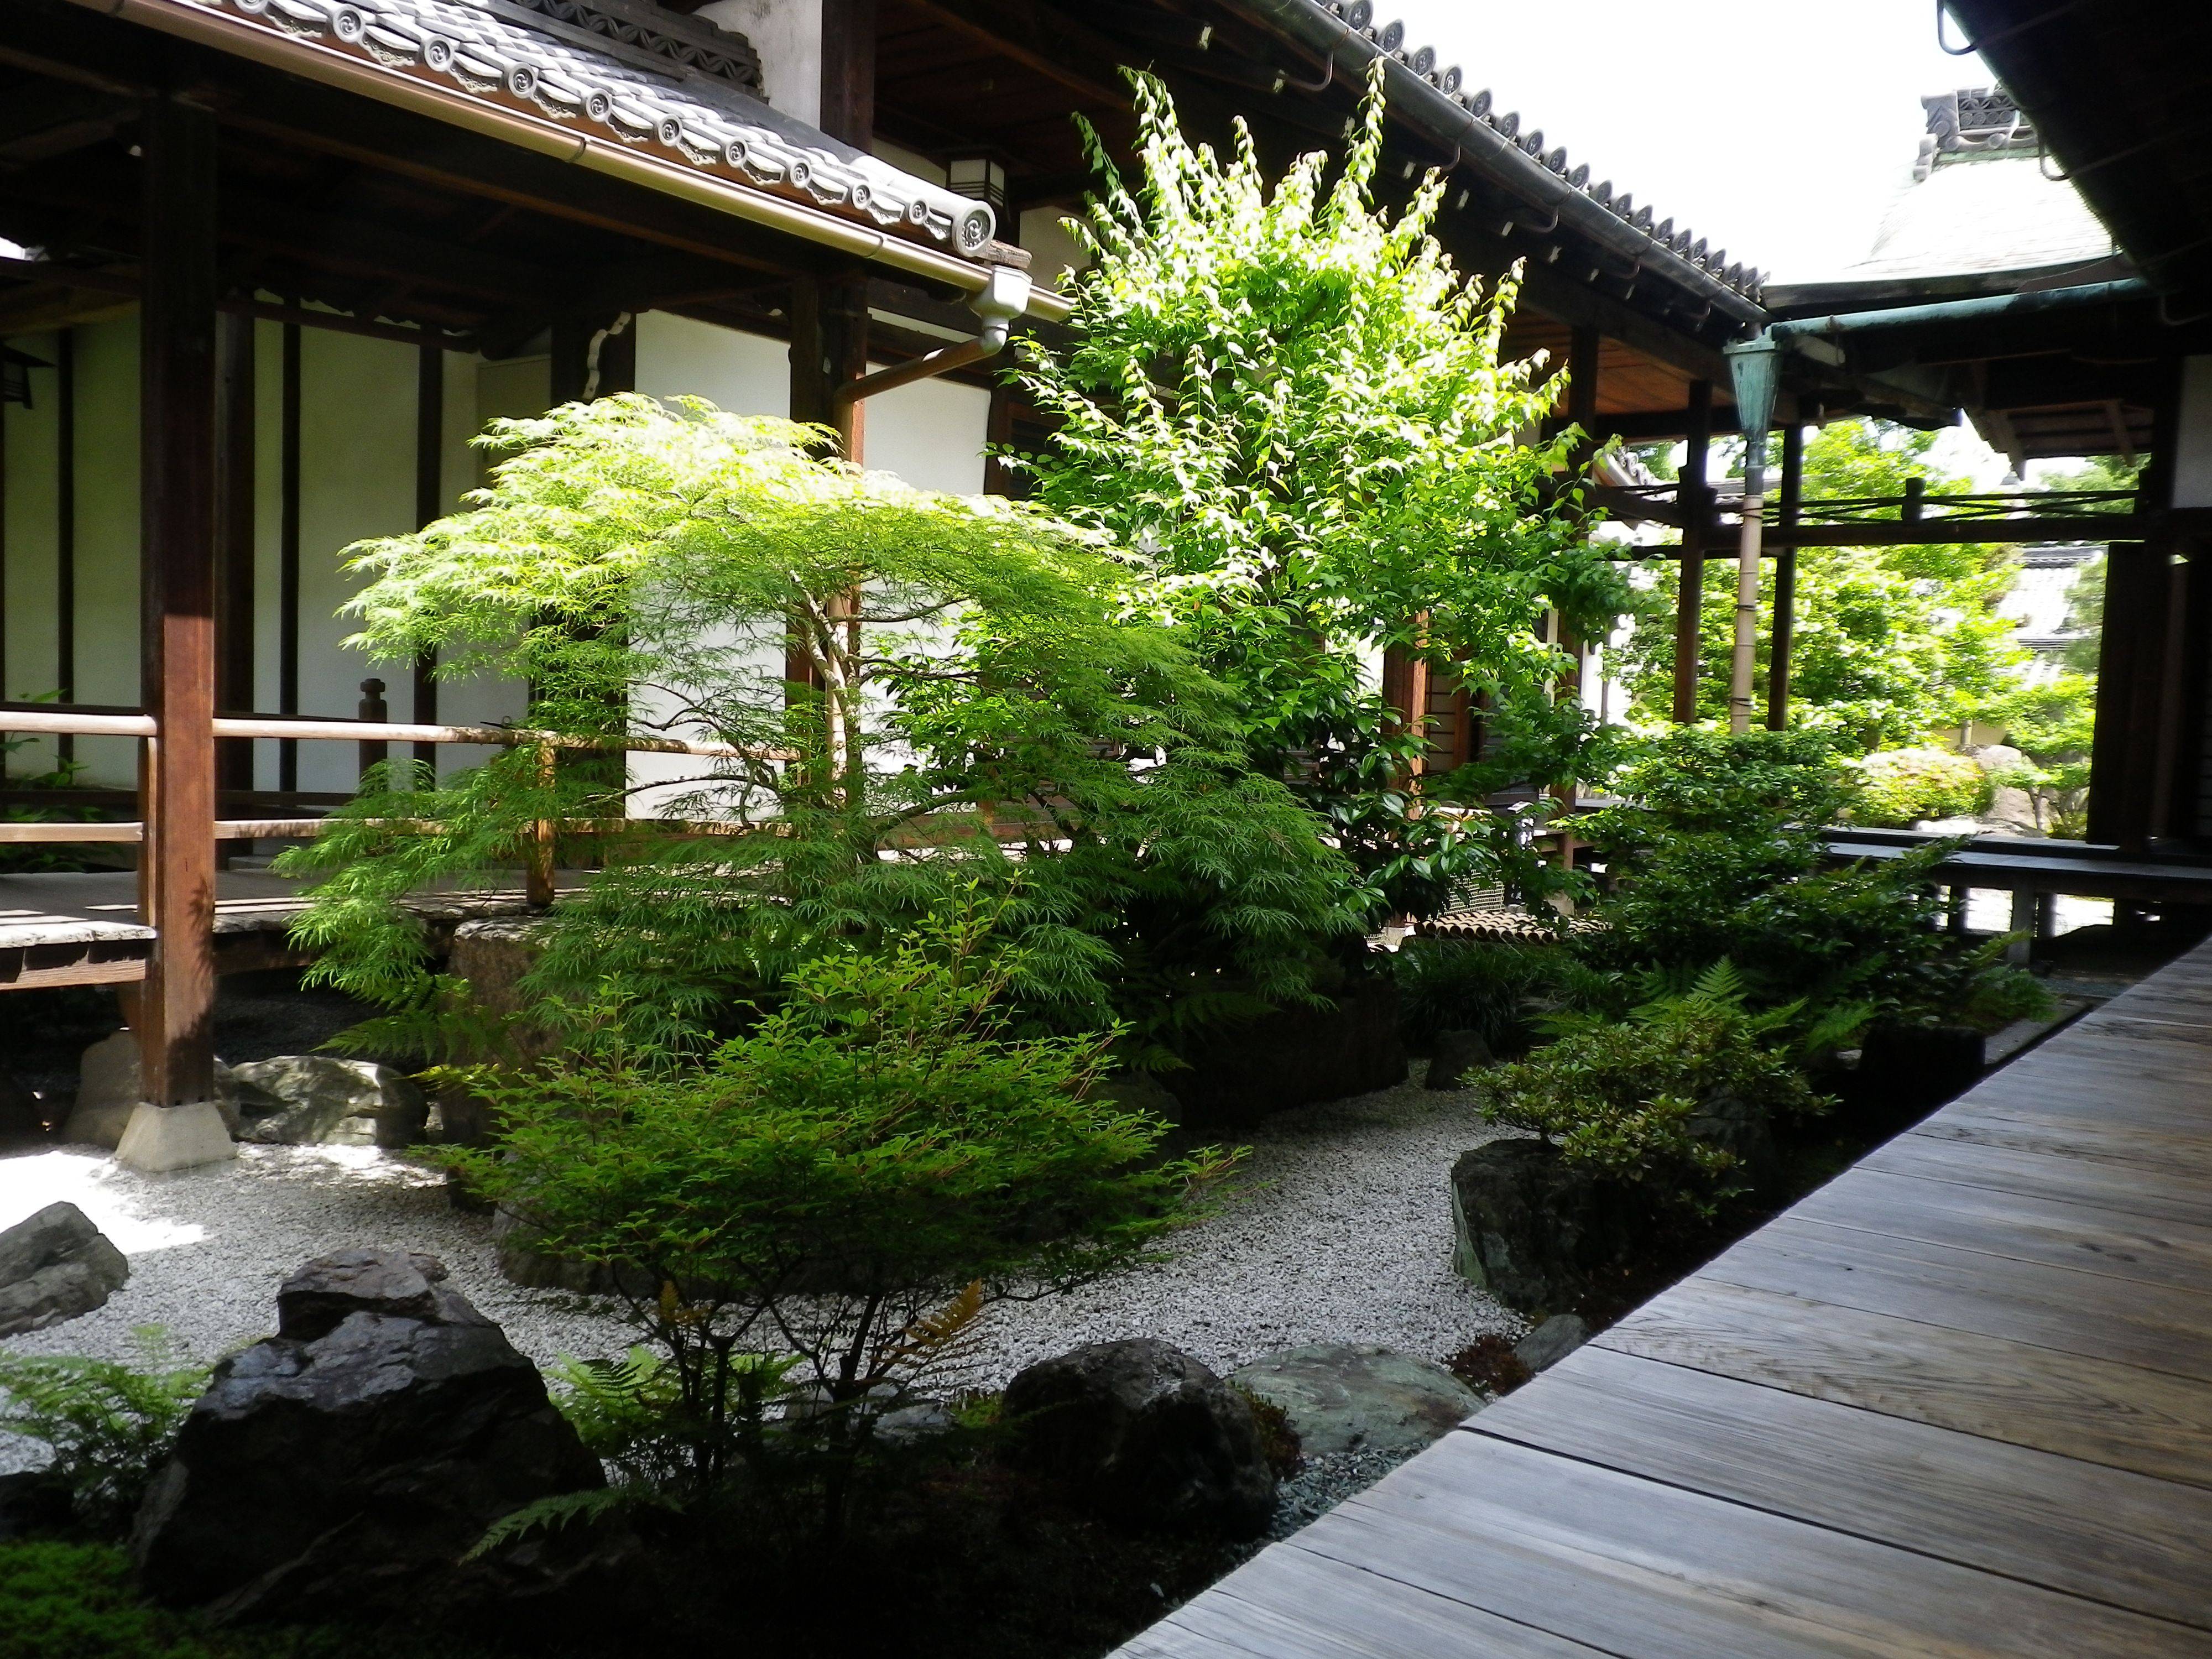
x: 2106, y: 1534
x: 1958, y: 1402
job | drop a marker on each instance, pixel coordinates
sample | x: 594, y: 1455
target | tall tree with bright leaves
x: 1296, y: 406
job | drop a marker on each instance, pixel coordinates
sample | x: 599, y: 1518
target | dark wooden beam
x: 1691, y: 582
x: 1785, y: 580
x: 849, y: 71
x: 177, y: 382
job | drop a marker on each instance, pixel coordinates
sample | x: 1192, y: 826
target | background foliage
x: 1291, y: 401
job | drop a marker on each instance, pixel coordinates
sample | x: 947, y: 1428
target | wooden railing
x: 58, y: 720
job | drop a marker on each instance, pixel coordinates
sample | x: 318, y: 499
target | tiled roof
x: 1683, y: 243
x: 604, y: 69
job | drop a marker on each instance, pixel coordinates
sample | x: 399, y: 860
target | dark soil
x: 1489, y: 1365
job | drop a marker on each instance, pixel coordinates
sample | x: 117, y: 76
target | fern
x: 107, y: 1423
x: 560, y: 1511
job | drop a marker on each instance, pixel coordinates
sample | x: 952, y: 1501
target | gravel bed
x: 1340, y: 1232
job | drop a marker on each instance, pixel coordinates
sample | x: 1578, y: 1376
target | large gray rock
x: 1532, y: 1230
x: 1356, y: 1396
x: 343, y: 1467
x: 1552, y: 1341
x: 108, y: 1091
x: 318, y: 1100
x: 54, y: 1267
x: 1746, y: 1133
x: 1457, y: 1054
x: 1146, y: 1434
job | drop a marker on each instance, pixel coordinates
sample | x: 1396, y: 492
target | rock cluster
x: 1146, y: 1434
x: 1531, y: 1227
x: 1356, y: 1396
x: 53, y: 1267
x: 318, y: 1100
x: 345, y: 1465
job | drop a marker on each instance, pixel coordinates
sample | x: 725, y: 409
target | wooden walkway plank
x: 1956, y: 1403
x: 2121, y: 1416
x: 2152, y: 1326
x: 1294, y: 1605
x: 2101, y: 1534
x: 1645, y: 1571
x: 2034, y: 1164
x: 2082, y: 1237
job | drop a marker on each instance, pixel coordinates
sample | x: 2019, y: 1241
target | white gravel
x: 1341, y: 1232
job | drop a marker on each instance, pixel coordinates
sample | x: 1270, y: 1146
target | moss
x: 60, y: 1600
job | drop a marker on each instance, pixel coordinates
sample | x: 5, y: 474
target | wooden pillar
x: 65, y: 530
x: 233, y: 520
x: 1690, y: 591
x: 429, y: 505
x: 2131, y: 677
x: 177, y: 542
x: 288, y: 554
x: 829, y: 349
x: 1785, y: 578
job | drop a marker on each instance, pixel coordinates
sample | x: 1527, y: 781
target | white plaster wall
x: 1053, y: 253
x: 787, y: 34
x: 745, y: 373
x: 27, y: 537
x: 931, y: 433
x: 107, y: 538
x: 907, y: 160
x: 357, y: 400
x: 2192, y: 449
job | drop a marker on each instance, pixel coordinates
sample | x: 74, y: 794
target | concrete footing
x: 159, y: 1138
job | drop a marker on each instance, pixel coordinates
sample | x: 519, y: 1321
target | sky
x: 1783, y: 145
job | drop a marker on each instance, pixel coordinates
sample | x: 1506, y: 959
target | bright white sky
x: 1783, y: 146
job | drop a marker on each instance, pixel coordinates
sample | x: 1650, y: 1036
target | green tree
x: 1295, y: 405
x: 2052, y: 724
x: 977, y: 681
x: 1892, y: 644
x: 822, y: 1211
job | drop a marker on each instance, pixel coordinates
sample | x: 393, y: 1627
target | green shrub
x: 821, y: 1213
x: 74, y: 1601
x: 1446, y: 985
x: 109, y: 1423
x: 1718, y: 853
x: 1900, y: 787
x: 1618, y: 1098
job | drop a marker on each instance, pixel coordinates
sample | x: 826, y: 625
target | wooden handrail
x: 63, y: 721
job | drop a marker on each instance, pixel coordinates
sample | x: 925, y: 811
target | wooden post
x: 429, y: 505
x: 177, y: 386
x: 2130, y: 668
x: 829, y: 349
x: 1690, y: 571
x: 1785, y: 578
x: 234, y: 534
x: 374, y: 751
x: 537, y: 879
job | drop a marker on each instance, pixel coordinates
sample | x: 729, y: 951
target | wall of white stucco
x: 357, y: 480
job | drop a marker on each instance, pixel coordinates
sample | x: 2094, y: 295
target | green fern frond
x: 556, y: 1513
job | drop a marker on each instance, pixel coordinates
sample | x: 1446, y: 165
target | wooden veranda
x: 1958, y: 1402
